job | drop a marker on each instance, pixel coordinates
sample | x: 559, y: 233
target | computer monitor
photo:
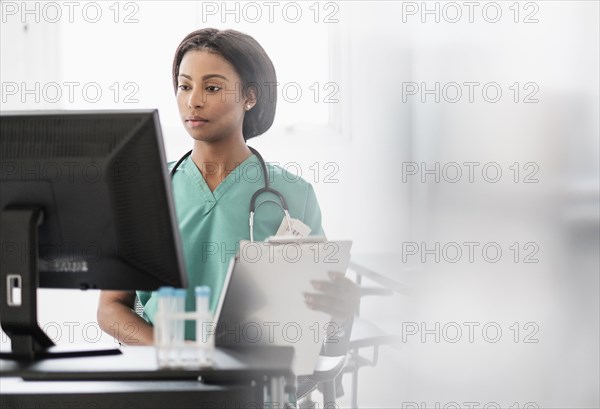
x: 85, y: 203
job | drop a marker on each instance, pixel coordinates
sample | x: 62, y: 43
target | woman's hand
x: 339, y: 297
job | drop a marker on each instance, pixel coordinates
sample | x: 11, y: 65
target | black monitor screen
x: 101, y: 181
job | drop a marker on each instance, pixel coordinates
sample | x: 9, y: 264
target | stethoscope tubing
x: 266, y: 189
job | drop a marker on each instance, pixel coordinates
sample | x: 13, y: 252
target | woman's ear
x: 251, y: 97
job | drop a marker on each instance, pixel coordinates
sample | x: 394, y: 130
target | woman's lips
x: 195, y: 123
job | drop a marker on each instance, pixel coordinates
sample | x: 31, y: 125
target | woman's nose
x: 196, y: 99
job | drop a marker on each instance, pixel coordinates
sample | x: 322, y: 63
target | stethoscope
x: 266, y: 189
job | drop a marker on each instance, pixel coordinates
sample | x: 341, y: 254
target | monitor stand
x: 18, y: 289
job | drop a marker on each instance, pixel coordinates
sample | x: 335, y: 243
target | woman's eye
x: 183, y: 87
x: 213, y: 88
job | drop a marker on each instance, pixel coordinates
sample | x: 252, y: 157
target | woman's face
x: 209, y: 97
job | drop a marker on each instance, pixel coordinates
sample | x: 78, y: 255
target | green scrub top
x: 213, y: 223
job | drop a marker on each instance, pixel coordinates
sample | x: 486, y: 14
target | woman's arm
x: 117, y: 318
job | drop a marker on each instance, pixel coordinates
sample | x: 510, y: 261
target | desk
x: 238, y: 379
x: 17, y: 393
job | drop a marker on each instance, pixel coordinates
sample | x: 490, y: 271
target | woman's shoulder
x: 288, y: 175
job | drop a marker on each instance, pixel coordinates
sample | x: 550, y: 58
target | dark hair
x: 251, y: 63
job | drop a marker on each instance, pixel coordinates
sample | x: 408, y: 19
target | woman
x: 225, y: 88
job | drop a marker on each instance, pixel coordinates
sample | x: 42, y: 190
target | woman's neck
x: 217, y: 159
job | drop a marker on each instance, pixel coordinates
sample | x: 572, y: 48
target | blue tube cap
x: 179, y: 292
x: 165, y: 291
x: 202, y: 291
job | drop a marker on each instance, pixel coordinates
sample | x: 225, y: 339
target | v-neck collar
x: 192, y: 171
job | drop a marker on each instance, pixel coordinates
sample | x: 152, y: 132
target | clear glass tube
x: 178, y: 310
x: 162, y: 326
x: 204, y: 325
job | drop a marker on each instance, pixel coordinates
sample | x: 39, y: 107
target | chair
x: 343, y: 356
x: 364, y: 335
x: 330, y: 366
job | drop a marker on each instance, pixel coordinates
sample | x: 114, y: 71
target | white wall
x: 381, y: 48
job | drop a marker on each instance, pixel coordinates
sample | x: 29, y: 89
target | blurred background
x: 456, y: 143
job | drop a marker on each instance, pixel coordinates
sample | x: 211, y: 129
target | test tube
x: 202, y: 299
x: 178, y: 310
x: 204, y: 324
x: 178, y: 325
x: 165, y: 299
x: 162, y: 326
